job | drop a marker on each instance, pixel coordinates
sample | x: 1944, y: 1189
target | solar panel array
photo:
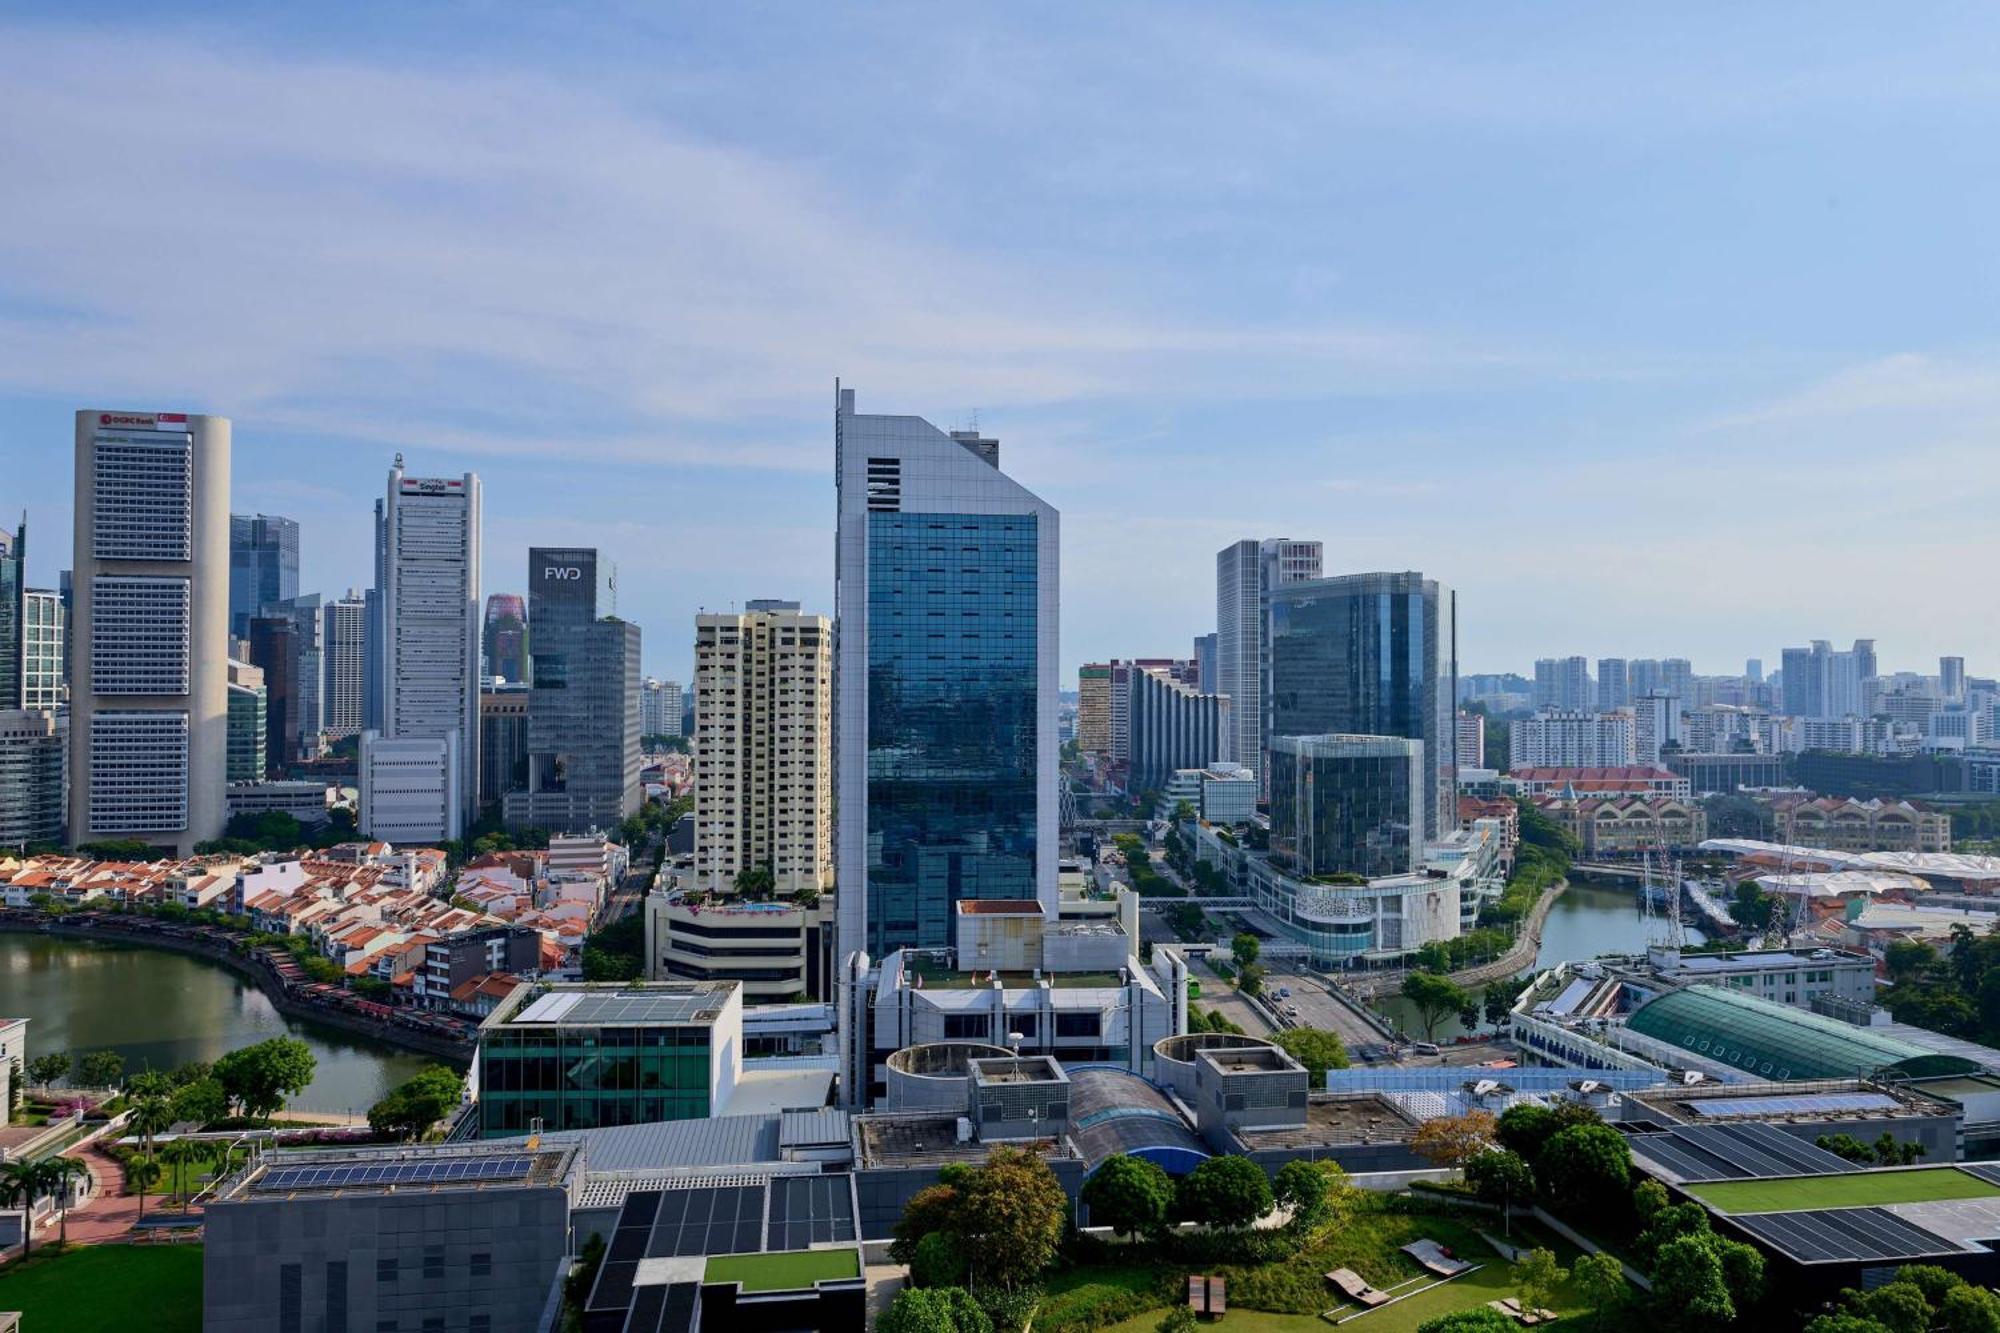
x: 809, y: 1210
x: 1737, y: 1152
x: 1986, y: 1171
x: 1805, y: 1104
x: 663, y: 1308
x: 1843, y: 1234
x: 379, y: 1175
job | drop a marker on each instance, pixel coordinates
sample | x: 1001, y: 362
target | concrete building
x: 31, y: 777
x: 1223, y: 794
x: 1822, y: 683
x: 779, y: 951
x: 44, y: 650
x: 945, y: 763
x: 1171, y: 725
x: 1848, y: 825
x: 682, y: 1041
x: 763, y: 747
x: 1471, y: 735
x: 1657, y: 728
x: 13, y: 617
x: 1601, y: 780
x: 1247, y: 573
x: 1558, y: 739
x: 583, y: 708
x: 468, y: 955
x: 1093, y: 708
x: 468, y: 1236
x: 263, y: 566
x: 503, y: 742
x: 1205, y: 657
x: 659, y: 707
x: 1563, y: 684
x: 1614, y: 683
x: 149, y: 699
x: 344, y: 647
x: 274, y: 653
x: 1628, y: 825
x: 1372, y: 655
x: 1951, y: 678
x: 504, y: 638
x: 430, y: 556
x: 249, y: 722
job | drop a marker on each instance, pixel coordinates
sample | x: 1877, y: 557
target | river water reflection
x: 160, y: 1009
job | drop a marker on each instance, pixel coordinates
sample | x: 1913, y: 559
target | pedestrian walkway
x: 108, y: 1214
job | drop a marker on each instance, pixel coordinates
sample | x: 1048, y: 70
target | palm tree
x: 63, y: 1173
x: 19, y: 1189
x: 149, y: 1117
x: 142, y: 1173
x: 180, y: 1155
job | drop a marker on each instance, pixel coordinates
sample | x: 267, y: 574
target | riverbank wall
x: 250, y: 967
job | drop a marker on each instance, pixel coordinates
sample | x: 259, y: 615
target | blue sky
x: 1653, y: 333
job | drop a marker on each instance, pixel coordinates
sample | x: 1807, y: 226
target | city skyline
x: 1288, y: 297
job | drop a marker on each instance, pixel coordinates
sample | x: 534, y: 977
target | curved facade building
x: 1779, y: 1041
x: 1371, y: 655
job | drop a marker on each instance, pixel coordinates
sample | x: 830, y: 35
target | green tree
x: 202, y: 1101
x: 1177, y: 1319
x: 1497, y: 1001
x: 1315, y: 1048
x: 1842, y: 1321
x: 141, y: 1175
x: 1011, y: 1216
x: 1899, y: 1306
x: 1245, y: 948
x: 932, y: 1209
x: 1227, y: 1191
x: 1524, y: 1127
x: 61, y: 1175
x: 260, y: 1077
x: 20, y: 1186
x: 152, y: 1116
x: 47, y: 1070
x: 100, y: 1069
x: 412, y: 1108
x: 1670, y: 1224
x: 1649, y: 1196
x: 1536, y: 1278
x: 1302, y: 1187
x: 1501, y: 1176
x: 1690, y: 1290
x: 1128, y: 1194
x: 1969, y: 1309
x: 183, y: 1155
x: 1433, y: 996
x: 939, y: 1261
x: 934, y: 1310
x: 1586, y: 1167
x: 1600, y: 1280
x: 1752, y: 908
x: 1908, y: 960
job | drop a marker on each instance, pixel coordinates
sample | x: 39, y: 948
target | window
x: 336, y: 1296
x: 1080, y: 1024
x: 482, y: 1264
x: 386, y: 1270
x: 291, y: 1298
x: 479, y: 1323
x: 962, y: 1027
x: 433, y: 1263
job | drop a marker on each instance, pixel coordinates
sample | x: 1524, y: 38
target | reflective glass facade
x: 585, y: 1077
x: 1346, y: 804
x: 952, y: 708
x: 1371, y: 655
x: 263, y: 566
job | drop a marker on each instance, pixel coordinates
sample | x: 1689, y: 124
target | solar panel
x: 430, y: 1171
x: 1803, y: 1104
x: 710, y: 1220
x: 1683, y: 1160
x: 1844, y: 1234
x: 1986, y: 1171
x: 809, y: 1210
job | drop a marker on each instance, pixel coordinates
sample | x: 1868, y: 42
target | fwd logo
x: 562, y: 572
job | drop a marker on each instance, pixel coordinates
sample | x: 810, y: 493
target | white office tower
x: 344, y: 640
x: 149, y: 699
x: 419, y: 773
x: 945, y: 574
x: 763, y: 747
x: 1245, y: 573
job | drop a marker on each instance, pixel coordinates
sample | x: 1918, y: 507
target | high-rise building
x: 44, y: 636
x: 1614, y: 683
x: 1563, y: 683
x: 263, y: 566
x: 1171, y: 724
x: 1246, y: 574
x: 583, y: 707
x: 376, y: 637
x: 1753, y: 670
x: 13, y: 617
x: 503, y: 742
x: 419, y: 773
x: 505, y: 638
x: 1471, y: 740
x: 1372, y: 655
x: 344, y: 650
x: 31, y: 777
x: 1676, y: 678
x: 274, y: 652
x: 1350, y: 805
x: 149, y: 696
x: 763, y: 747
x: 945, y: 681
x: 1124, y: 676
x: 1822, y: 683
x: 1093, y: 708
x: 248, y: 722
x: 1951, y: 678
x: 1204, y: 661
x: 659, y: 707
x: 308, y: 713
x: 1657, y: 728
x: 1572, y: 739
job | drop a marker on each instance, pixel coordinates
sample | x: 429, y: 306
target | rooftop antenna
x: 612, y: 584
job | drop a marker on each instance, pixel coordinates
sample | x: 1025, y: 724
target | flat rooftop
x: 668, y: 1004
x: 903, y: 1139
x: 1854, y: 1189
x: 1356, y: 1118
x: 937, y: 976
x: 410, y: 1170
x: 1025, y: 1069
x: 1806, y: 1103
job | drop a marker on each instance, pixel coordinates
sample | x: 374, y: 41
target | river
x: 1588, y: 920
x: 161, y: 1009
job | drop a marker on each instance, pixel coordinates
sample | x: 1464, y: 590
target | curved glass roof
x: 1778, y: 1041
x: 1112, y: 1111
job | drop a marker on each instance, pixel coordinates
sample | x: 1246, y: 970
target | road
x: 1219, y: 997
x: 1320, y: 1009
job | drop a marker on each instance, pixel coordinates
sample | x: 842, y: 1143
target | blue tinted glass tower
x: 944, y: 681
x: 263, y: 566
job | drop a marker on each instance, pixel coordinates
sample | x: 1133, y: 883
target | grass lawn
x: 1860, y: 1189
x: 784, y: 1272
x: 102, y: 1289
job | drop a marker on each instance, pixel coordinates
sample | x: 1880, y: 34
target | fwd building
x: 420, y: 769
x: 944, y: 682
x: 149, y: 699
x: 583, y: 711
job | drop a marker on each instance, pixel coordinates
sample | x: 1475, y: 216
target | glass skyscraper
x: 945, y: 681
x: 263, y: 566
x: 1371, y: 655
x: 13, y: 617
x: 1350, y: 805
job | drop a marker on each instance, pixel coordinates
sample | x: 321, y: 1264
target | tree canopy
x: 1128, y: 1194
x: 1315, y: 1048
x: 1433, y: 995
x: 1227, y: 1191
x: 411, y: 1109
x: 1586, y: 1167
x: 1006, y: 1216
x: 260, y: 1077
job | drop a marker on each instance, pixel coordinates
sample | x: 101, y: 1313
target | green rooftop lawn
x: 1860, y: 1189
x: 103, y: 1289
x: 791, y: 1271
